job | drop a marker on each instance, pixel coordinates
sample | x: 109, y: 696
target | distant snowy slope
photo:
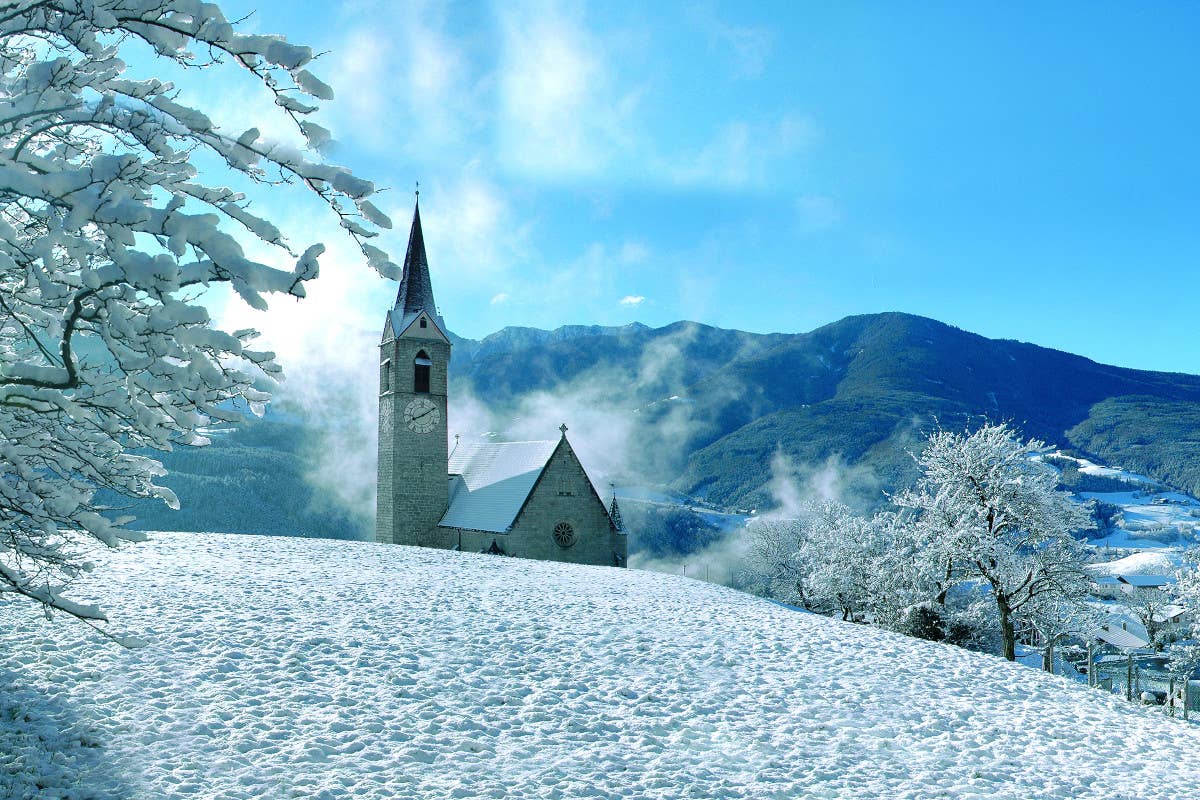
x: 1151, y: 562
x: 284, y: 667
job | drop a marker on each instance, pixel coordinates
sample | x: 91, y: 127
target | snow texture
x: 1149, y: 562
x: 280, y: 667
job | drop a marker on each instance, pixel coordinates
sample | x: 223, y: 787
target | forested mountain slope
x: 708, y: 409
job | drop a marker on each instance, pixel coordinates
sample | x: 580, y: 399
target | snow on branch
x: 109, y: 222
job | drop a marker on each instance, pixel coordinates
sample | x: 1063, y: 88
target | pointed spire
x: 416, y: 290
x: 614, y: 512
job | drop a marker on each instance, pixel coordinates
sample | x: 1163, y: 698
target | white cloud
x: 632, y: 300
x: 471, y: 231
x: 397, y: 62
x: 497, y: 299
x: 359, y: 94
x: 742, y: 154
x: 562, y: 112
x: 326, y: 344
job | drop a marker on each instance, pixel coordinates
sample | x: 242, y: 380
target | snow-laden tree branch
x: 111, y: 220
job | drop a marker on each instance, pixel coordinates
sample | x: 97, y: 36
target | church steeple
x: 416, y: 290
x: 414, y: 360
x: 614, y: 512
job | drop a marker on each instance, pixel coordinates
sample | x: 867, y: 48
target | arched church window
x: 424, y: 324
x: 385, y: 376
x: 421, y: 365
x: 564, y: 534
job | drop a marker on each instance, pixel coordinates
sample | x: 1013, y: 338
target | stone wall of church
x: 564, y: 494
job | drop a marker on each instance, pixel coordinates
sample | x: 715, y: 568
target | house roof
x: 1169, y: 612
x: 1146, y: 581
x: 416, y: 288
x: 490, y: 482
x: 1118, y: 638
x: 1106, y: 580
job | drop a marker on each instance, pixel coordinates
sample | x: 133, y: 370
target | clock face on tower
x: 421, y: 415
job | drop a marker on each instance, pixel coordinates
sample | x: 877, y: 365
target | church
x: 525, y: 499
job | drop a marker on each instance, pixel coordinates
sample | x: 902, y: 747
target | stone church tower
x: 414, y: 356
x: 526, y: 499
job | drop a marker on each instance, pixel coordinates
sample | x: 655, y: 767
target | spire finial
x: 417, y: 192
x: 563, y: 428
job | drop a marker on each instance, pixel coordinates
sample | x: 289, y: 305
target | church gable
x: 418, y: 325
x: 564, y: 476
x: 564, y: 518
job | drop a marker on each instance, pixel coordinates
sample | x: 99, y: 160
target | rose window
x: 564, y: 534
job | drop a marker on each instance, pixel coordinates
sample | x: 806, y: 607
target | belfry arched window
x: 421, y: 365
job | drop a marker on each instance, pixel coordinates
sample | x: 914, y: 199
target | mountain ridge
x: 712, y: 413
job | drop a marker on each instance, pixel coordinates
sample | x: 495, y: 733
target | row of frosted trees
x: 981, y: 547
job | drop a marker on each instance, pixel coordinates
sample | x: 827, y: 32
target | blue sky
x: 1021, y: 171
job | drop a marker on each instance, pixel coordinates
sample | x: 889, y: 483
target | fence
x: 1132, y: 677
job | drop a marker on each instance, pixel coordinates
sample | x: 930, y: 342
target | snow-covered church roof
x: 490, y: 481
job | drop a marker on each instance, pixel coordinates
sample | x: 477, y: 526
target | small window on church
x: 385, y: 376
x: 564, y: 534
x: 421, y: 366
x: 423, y: 323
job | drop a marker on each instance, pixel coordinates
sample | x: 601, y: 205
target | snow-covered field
x: 293, y: 668
x: 1092, y: 468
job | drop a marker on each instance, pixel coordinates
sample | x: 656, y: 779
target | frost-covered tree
x: 1054, y: 618
x: 993, y: 514
x: 773, y: 565
x: 1150, y: 606
x: 840, y: 554
x: 1185, y: 656
x: 114, y: 216
x: 833, y: 561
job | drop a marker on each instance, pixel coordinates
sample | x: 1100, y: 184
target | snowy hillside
x: 319, y: 669
x: 1148, y: 562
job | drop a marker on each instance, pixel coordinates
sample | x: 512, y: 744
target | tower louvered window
x: 421, y: 366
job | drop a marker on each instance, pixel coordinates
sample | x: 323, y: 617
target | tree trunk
x: 941, y: 597
x: 1006, y: 628
x: 1048, y: 657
